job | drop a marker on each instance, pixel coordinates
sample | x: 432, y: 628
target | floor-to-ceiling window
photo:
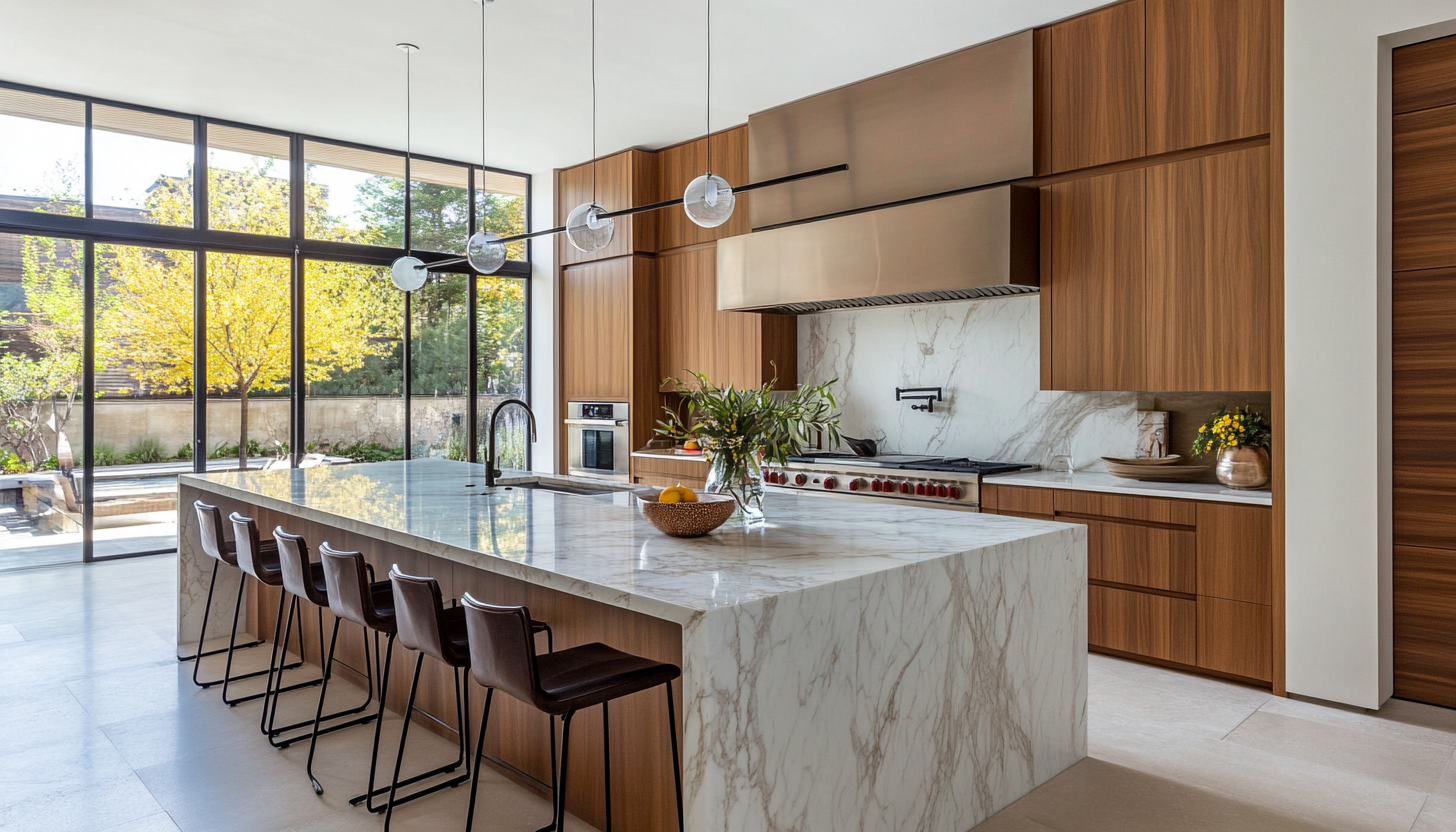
x: 182, y: 295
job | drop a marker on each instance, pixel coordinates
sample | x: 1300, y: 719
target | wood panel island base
x: 844, y: 666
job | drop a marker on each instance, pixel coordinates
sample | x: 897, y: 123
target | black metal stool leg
x: 278, y: 628
x: 607, y: 763
x: 409, y: 711
x: 676, y: 766
x: 202, y: 634
x: 367, y: 798
x: 558, y: 812
x: 479, y: 753
x: 318, y: 714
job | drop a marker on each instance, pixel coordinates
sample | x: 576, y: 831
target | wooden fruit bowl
x: 687, y: 519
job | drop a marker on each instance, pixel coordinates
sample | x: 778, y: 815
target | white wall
x: 543, y: 323
x: 1337, y: 339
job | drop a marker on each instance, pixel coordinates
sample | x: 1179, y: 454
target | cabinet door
x: 1236, y: 552
x: 624, y: 180
x: 596, y: 333
x: 1208, y: 273
x: 1423, y: 192
x: 681, y: 164
x: 1150, y: 625
x: 1096, y: 88
x: 1207, y: 72
x: 1235, y: 637
x: 1097, y: 291
x: 1137, y: 555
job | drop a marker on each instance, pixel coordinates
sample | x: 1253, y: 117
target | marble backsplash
x: 986, y: 355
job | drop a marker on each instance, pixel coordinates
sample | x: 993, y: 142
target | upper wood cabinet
x: 1423, y: 193
x: 1151, y: 76
x: 1096, y: 289
x: 1095, y: 88
x: 596, y: 322
x: 737, y: 349
x: 624, y: 180
x: 680, y: 164
x: 1207, y: 72
x: 1208, y: 273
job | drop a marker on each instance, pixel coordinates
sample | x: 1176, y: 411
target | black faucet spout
x: 491, y: 471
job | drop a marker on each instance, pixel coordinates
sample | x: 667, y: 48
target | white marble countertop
x: 601, y: 548
x: 1107, y: 483
x: 666, y: 453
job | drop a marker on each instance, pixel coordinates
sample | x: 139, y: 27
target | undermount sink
x: 561, y: 488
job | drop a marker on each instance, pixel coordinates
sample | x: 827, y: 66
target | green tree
x: 248, y: 311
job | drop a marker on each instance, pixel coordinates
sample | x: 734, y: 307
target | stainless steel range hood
x: 977, y: 244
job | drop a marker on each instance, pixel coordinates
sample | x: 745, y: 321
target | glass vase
x: 741, y: 476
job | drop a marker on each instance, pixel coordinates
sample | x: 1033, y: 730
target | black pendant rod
x: 641, y: 209
x: 742, y: 190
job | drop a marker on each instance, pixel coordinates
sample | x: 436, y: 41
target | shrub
x: 105, y: 454
x: 185, y: 452
x: 12, y: 464
x: 146, y: 450
x: 368, y: 452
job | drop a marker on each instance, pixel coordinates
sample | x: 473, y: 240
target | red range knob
x: 955, y: 492
x: 907, y: 488
x: 920, y: 489
x: 800, y: 479
x: 770, y: 477
x: 875, y: 486
x: 942, y: 490
x: 829, y: 484
x: 855, y: 485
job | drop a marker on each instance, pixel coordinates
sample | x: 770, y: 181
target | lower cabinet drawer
x: 1150, y: 556
x: 1236, y: 637
x: 666, y: 481
x: 1150, y: 625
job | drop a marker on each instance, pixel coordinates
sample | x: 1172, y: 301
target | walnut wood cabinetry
x: 661, y: 473
x: 1423, y: 362
x: 625, y: 180
x: 739, y: 349
x: 1152, y: 117
x: 1175, y: 581
x: 680, y: 164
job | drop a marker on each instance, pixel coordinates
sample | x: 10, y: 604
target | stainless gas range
x: 938, y: 481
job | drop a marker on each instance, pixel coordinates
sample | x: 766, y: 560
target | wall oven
x: 598, y: 441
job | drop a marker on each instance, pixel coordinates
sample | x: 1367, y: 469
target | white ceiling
x: 329, y: 67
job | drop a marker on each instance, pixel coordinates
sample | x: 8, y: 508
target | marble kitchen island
x: 845, y: 666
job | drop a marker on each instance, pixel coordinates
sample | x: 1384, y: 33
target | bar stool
x: 427, y: 626
x: 222, y: 550
x: 355, y: 596
x: 559, y: 684
x: 301, y: 577
x: 262, y: 563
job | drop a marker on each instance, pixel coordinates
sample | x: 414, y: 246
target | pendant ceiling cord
x: 709, y: 119
x: 482, y: 90
x: 408, y: 128
x: 594, y: 97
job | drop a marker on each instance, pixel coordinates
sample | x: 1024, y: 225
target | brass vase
x: 1243, y: 468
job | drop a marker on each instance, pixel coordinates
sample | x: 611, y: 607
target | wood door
x: 1097, y: 290
x: 1208, y: 273
x: 1157, y: 626
x: 1157, y: 557
x: 1235, y: 637
x: 1096, y: 88
x: 624, y: 180
x: 596, y: 330
x: 1207, y: 72
x: 1423, y: 359
x: 680, y: 164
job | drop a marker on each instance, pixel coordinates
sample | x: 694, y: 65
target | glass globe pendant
x: 408, y: 273
x: 708, y: 200
x: 587, y: 229
x: 485, y: 252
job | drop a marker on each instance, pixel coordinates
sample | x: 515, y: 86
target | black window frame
x: 201, y: 239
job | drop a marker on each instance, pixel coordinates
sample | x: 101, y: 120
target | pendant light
x: 407, y: 272
x: 587, y: 227
x: 484, y: 250
x: 708, y: 199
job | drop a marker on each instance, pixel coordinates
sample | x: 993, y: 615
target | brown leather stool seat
x: 222, y: 551
x: 260, y: 559
x: 559, y: 684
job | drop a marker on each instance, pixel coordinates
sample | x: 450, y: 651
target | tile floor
x: 102, y: 730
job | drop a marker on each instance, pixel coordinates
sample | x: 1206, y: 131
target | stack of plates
x: 1163, y: 469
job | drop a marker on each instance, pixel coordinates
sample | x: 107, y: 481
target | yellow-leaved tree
x: 146, y: 323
